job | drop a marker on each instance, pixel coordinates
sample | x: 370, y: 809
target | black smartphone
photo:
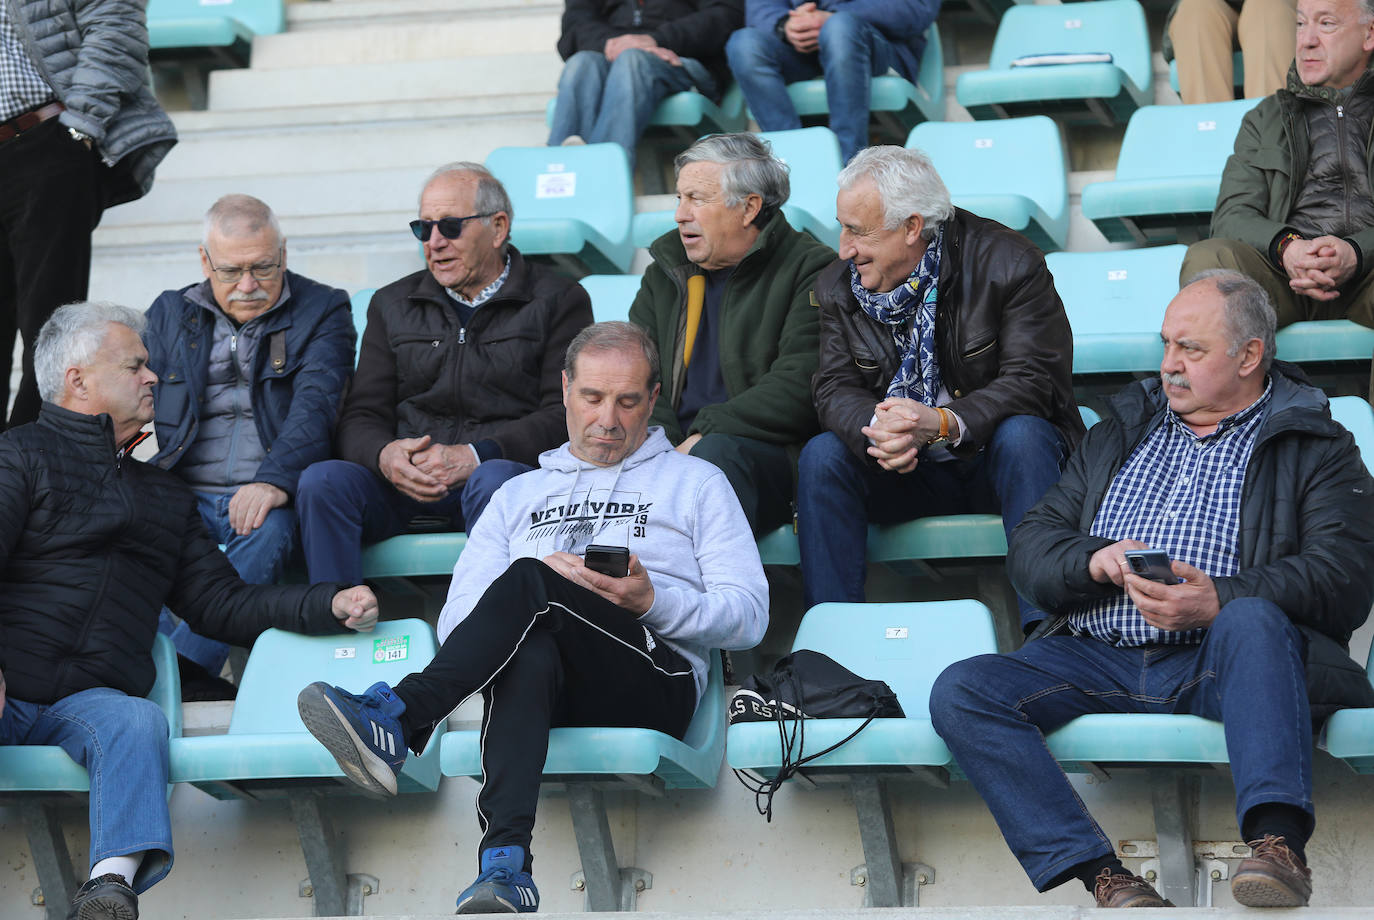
x: 1152, y: 564
x: 608, y: 560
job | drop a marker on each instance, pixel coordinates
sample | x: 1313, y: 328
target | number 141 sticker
x: 394, y: 648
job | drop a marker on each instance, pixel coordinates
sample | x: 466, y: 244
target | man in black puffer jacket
x: 1235, y: 469
x: 92, y: 544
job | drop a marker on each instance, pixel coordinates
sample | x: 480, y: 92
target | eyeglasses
x: 232, y: 274
x: 450, y: 227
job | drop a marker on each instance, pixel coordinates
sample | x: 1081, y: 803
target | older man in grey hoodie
x: 532, y: 620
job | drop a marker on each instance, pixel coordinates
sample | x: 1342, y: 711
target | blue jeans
x: 838, y: 495
x: 122, y: 743
x: 851, y: 53
x: 611, y: 102
x: 993, y: 711
x: 258, y: 557
x: 343, y: 505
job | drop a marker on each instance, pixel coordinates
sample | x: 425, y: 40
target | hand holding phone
x: 1152, y: 564
x: 608, y: 560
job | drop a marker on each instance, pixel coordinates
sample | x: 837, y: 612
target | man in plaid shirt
x: 1233, y: 466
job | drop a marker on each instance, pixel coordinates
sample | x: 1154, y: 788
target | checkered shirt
x: 21, y: 86
x: 487, y: 293
x: 1182, y: 494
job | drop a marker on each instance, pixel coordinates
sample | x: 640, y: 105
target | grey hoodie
x: 677, y: 513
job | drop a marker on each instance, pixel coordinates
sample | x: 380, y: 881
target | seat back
x: 1174, y: 141
x: 1114, y: 26
x: 282, y: 663
x: 907, y: 645
x: 1358, y: 418
x: 611, y: 295
x: 262, y: 17
x: 360, y: 301
x: 812, y: 156
x: 1014, y: 158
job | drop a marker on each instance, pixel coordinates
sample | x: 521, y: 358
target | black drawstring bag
x: 806, y: 685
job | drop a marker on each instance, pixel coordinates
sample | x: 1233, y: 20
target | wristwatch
x: 942, y: 437
x: 80, y: 137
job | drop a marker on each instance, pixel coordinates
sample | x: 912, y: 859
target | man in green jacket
x: 728, y: 300
x: 1296, y: 206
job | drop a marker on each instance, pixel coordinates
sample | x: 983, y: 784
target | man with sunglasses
x: 458, y: 384
x: 252, y: 363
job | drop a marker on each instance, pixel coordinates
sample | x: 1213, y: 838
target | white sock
x: 124, y: 866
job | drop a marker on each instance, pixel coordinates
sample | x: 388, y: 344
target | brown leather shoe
x: 1271, y: 876
x: 1126, y: 891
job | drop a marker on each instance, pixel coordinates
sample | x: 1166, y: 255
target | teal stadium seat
x: 1115, y: 302
x: 988, y: 11
x: 812, y: 156
x: 572, y: 204
x: 360, y: 301
x: 1095, y: 93
x: 611, y: 295
x: 1174, y: 746
x: 1010, y: 171
x: 43, y: 778
x: 689, y: 114
x: 198, y: 35
x: 268, y: 754
x: 895, y: 104
x: 1238, y: 62
x: 1168, y: 173
x: 590, y: 760
x: 907, y: 645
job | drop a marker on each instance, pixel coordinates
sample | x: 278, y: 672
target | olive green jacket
x: 769, y: 335
x: 1263, y: 178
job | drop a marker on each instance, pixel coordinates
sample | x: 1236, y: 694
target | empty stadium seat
x: 1168, y: 173
x: 588, y: 760
x: 895, y: 103
x: 572, y: 204
x: 268, y: 754
x: 1011, y: 171
x: 1115, y: 302
x: 1166, y: 743
x: 42, y: 778
x: 611, y: 295
x: 201, y: 35
x: 360, y: 301
x: 812, y: 156
x: 906, y: 645
x: 1100, y: 93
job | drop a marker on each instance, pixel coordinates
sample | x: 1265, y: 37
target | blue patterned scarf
x: 918, y: 376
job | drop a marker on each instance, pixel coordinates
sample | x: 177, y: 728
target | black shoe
x: 106, y: 898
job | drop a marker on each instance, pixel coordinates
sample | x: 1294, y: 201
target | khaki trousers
x: 1356, y: 301
x: 1206, y: 32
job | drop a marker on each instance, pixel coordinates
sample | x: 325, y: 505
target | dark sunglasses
x: 450, y: 227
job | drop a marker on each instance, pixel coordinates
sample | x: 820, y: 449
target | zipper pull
x: 1340, y: 111
x: 233, y: 343
x: 462, y: 335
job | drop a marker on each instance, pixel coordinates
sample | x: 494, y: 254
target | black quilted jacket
x: 92, y: 545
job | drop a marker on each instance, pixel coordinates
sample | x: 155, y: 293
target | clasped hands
x: 900, y: 428
x: 1317, y: 268
x: 423, y: 470
x: 803, y: 27
x: 621, y: 43
x: 1190, y: 604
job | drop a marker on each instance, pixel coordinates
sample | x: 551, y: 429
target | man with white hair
x: 1296, y: 206
x: 727, y: 301
x: 93, y: 543
x: 944, y: 374
x: 252, y: 363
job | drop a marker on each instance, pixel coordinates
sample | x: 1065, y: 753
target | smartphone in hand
x: 608, y: 560
x: 1152, y: 564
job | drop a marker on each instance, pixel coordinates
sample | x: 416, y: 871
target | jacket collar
x: 669, y: 252
x: 202, y: 296
x: 93, y: 434
x: 519, y: 286
x: 1364, y: 86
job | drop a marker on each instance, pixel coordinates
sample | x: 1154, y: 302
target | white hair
x: 72, y: 336
x: 907, y: 184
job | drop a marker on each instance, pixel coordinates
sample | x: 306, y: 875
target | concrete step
x: 469, y: 78
x: 486, y: 34
x: 370, y: 13
x: 256, y: 149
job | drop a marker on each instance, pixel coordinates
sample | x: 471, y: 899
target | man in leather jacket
x: 1234, y: 469
x: 1296, y: 206
x: 93, y: 543
x: 943, y: 385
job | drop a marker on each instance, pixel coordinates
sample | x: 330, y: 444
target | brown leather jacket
x: 1004, y: 341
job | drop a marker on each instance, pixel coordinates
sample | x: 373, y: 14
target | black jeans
x: 759, y: 472
x: 50, y: 201
x: 545, y: 653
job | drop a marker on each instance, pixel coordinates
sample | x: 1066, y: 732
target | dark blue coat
x: 295, y: 401
x: 902, y: 22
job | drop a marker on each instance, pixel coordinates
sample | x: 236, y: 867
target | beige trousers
x: 1206, y: 32
x: 1356, y: 301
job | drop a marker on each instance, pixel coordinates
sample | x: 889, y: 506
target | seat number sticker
x: 897, y: 632
x: 555, y: 185
x: 394, y: 648
x: 345, y: 652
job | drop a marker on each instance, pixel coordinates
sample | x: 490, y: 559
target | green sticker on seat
x: 394, y: 648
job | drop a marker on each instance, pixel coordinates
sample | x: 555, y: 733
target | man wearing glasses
x: 252, y: 363
x: 458, y: 386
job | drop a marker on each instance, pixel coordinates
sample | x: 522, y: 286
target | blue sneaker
x: 502, y: 887
x: 362, y: 732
